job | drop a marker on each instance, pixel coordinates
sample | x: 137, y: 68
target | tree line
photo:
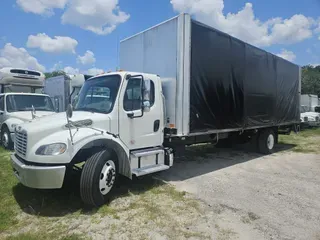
x: 310, y: 79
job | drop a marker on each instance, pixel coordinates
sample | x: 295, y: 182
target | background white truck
x: 191, y: 84
x: 310, y: 101
x: 63, y: 89
x: 310, y: 108
x: 20, y: 100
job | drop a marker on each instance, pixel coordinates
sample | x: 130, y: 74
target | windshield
x: 98, y: 94
x: 16, y: 103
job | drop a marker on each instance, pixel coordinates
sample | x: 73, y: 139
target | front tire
x: 98, y: 178
x: 266, y: 141
x: 6, y: 140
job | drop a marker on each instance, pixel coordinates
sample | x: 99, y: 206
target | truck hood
x: 47, y: 125
x: 26, y: 115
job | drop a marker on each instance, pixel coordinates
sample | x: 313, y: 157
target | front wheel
x: 98, y: 177
x: 6, y: 140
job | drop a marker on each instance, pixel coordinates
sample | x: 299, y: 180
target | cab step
x: 149, y: 169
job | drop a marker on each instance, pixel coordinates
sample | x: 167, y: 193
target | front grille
x: 20, y: 143
x: 305, y: 119
x: 317, y: 119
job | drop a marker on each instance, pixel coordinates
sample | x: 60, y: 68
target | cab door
x: 139, y: 126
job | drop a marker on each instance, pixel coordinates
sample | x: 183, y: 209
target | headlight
x: 13, y: 125
x: 52, y: 149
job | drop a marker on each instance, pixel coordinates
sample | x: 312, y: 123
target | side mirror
x: 69, y: 111
x: 146, y: 106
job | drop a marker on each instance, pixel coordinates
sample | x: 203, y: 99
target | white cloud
x: 289, y: 55
x: 315, y: 64
x: 94, y: 71
x: 87, y: 58
x: 57, y: 44
x: 42, y: 7
x: 11, y: 56
x: 71, y: 70
x: 98, y: 16
x: 245, y: 25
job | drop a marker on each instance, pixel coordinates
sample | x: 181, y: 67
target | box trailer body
x: 310, y: 101
x: 63, y: 89
x: 212, y: 81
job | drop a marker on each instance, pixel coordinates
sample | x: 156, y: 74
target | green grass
x: 306, y: 141
x: 42, y: 236
x: 28, y: 214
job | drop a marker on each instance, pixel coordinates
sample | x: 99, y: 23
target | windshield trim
x: 15, y: 110
x: 117, y: 93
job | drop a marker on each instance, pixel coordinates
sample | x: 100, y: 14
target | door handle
x: 130, y: 115
x: 156, y: 125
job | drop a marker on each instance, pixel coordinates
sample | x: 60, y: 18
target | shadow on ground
x: 61, y: 202
x: 202, y: 159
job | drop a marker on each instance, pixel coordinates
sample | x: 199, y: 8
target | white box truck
x: 184, y: 83
x: 20, y: 101
x: 64, y: 88
x: 311, y: 109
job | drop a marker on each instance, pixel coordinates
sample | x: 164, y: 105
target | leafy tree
x: 54, y: 73
x: 310, y: 82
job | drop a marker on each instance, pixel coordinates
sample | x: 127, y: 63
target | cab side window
x: 1, y: 103
x: 132, y: 97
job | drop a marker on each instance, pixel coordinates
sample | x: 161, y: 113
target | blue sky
x: 290, y: 28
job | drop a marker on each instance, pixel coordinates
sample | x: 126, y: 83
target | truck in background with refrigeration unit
x: 64, y: 88
x: 20, y: 100
x: 183, y: 83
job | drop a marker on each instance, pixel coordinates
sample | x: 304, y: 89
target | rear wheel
x: 266, y: 141
x: 98, y: 178
x: 6, y: 140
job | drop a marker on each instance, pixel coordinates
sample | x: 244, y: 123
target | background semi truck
x: 20, y: 100
x: 190, y: 84
x: 64, y: 88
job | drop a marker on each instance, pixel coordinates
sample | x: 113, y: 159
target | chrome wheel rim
x: 270, y: 142
x: 5, y: 139
x: 107, y: 177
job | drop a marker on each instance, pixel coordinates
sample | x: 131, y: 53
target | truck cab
x: 117, y: 123
x: 20, y: 101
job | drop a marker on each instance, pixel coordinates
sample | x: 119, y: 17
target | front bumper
x: 314, y: 124
x: 41, y: 177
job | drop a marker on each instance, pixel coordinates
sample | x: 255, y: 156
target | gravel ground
x: 253, y: 196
